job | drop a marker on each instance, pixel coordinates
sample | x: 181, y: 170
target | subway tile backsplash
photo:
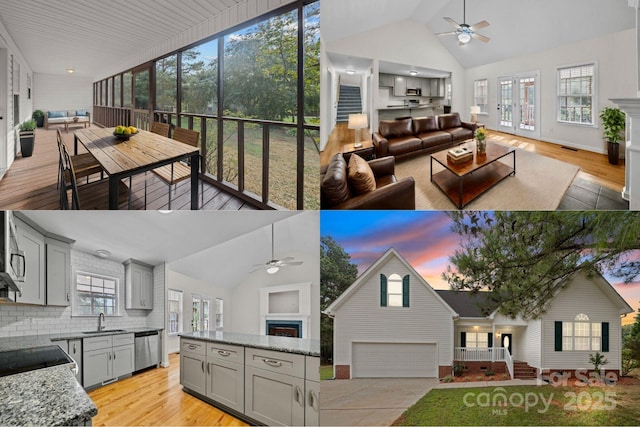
x: 21, y: 320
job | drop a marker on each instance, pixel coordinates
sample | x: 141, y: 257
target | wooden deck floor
x: 30, y: 184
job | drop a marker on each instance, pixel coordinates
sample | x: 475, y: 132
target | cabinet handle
x: 203, y: 366
x: 68, y: 296
x: 114, y: 355
x: 299, y: 396
x: 313, y: 400
x: 192, y: 347
x: 208, y: 368
x: 109, y: 354
x: 274, y: 363
x: 224, y: 353
x: 74, y: 349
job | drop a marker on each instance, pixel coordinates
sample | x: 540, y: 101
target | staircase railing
x: 509, y: 361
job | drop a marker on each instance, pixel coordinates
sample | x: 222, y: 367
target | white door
x: 394, y: 360
x: 4, y: 105
x: 519, y: 105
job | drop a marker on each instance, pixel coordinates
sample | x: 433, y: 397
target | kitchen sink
x: 104, y: 331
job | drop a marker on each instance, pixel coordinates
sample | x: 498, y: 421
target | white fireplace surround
x: 286, y: 302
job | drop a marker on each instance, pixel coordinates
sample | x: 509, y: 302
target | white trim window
x: 577, y: 94
x: 95, y: 294
x: 581, y: 334
x: 175, y: 318
x: 481, y: 95
x: 219, y: 313
x: 394, y: 293
x: 477, y: 340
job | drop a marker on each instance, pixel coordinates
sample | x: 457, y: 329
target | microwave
x: 12, y: 259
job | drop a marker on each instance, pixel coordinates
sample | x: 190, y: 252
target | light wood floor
x: 155, y: 398
x: 30, y: 184
x: 593, y: 166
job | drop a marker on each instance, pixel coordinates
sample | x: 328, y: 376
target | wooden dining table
x: 142, y: 152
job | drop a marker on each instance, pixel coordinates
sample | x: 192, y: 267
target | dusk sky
x: 423, y: 238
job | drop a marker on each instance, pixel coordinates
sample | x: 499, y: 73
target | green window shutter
x: 383, y: 290
x: 463, y: 339
x: 605, y: 336
x: 405, y: 291
x: 558, y: 337
x: 490, y: 340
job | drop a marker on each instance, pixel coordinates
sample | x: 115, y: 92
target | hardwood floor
x: 30, y: 184
x: 594, y: 167
x: 155, y: 398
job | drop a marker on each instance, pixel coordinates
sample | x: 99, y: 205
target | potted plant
x: 27, y: 137
x: 38, y: 116
x: 481, y: 136
x: 613, y: 121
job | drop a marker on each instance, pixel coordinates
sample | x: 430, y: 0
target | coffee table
x: 463, y: 183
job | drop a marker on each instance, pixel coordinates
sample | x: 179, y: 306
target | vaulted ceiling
x: 517, y: 27
x: 90, y: 35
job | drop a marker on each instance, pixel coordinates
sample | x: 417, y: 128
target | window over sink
x: 96, y: 294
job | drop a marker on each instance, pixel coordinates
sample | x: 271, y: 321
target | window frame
x: 219, y: 316
x: 484, y: 107
x: 581, y: 323
x: 396, y: 294
x: 594, y: 94
x: 76, y: 294
x: 180, y: 320
x: 475, y: 341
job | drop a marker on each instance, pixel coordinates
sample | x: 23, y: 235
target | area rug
x: 539, y: 184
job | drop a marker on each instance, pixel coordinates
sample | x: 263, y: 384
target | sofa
x: 361, y: 184
x: 62, y: 117
x: 409, y: 136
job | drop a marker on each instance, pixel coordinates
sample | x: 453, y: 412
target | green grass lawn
x: 619, y: 405
x: 326, y: 372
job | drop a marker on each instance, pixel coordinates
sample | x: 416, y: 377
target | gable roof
x: 469, y: 304
x: 608, y: 289
x: 373, y: 269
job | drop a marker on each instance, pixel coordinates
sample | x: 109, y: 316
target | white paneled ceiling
x: 215, y: 247
x: 90, y: 35
x: 517, y: 27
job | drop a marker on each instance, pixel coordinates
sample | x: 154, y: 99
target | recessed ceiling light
x: 413, y: 72
x: 351, y: 72
x: 165, y: 212
x: 70, y: 70
x: 103, y: 253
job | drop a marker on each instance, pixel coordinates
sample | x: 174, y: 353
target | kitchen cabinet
x: 385, y: 80
x: 138, y: 285
x: 75, y: 351
x: 426, y: 87
x: 192, y: 366
x: 225, y: 375
x: 33, y: 245
x: 414, y: 83
x: 107, y: 358
x: 435, y: 87
x: 399, y: 86
x: 312, y: 391
x: 58, y: 272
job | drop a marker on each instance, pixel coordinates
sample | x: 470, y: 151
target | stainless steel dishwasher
x: 147, y: 347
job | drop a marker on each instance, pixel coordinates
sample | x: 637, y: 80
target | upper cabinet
x: 399, y: 86
x: 386, y: 80
x: 138, y: 285
x: 58, y: 272
x: 32, y: 243
x: 427, y: 87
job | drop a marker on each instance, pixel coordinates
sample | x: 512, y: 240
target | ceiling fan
x: 463, y: 31
x: 273, y: 265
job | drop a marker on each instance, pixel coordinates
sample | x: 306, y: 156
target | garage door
x: 379, y: 360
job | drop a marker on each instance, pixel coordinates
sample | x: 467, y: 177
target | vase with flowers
x: 481, y: 140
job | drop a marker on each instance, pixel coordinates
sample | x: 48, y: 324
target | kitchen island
x: 392, y: 112
x: 262, y: 379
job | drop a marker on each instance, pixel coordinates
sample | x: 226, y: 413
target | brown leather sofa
x: 389, y: 193
x: 409, y: 136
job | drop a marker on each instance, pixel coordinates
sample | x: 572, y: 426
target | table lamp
x: 475, y: 110
x: 357, y: 122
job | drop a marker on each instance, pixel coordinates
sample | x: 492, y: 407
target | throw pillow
x: 56, y: 114
x: 335, y: 189
x: 361, y: 176
x: 81, y: 113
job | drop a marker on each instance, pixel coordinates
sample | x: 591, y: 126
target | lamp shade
x: 358, y: 121
x: 475, y: 109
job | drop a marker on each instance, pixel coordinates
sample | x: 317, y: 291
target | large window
x: 581, y: 334
x: 394, y: 294
x: 477, y: 340
x: 174, y: 299
x: 166, y: 84
x: 480, y: 95
x: 96, y: 294
x: 576, y: 92
x: 200, y: 79
x: 394, y: 291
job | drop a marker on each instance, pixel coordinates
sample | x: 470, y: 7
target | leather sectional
x: 409, y: 136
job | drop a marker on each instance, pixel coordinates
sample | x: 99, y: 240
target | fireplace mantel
x: 286, y: 303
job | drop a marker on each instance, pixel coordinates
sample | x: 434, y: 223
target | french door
x: 519, y: 105
x: 200, y: 313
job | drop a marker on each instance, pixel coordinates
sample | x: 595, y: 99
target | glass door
x: 142, y: 101
x: 505, y: 104
x: 199, y: 313
x: 518, y: 105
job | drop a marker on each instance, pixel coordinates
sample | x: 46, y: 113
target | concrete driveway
x: 369, y: 401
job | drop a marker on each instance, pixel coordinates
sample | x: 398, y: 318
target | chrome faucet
x: 100, y: 320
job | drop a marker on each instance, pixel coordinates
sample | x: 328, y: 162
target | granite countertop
x: 50, y: 396
x: 267, y: 342
x: 407, y: 107
x: 79, y: 335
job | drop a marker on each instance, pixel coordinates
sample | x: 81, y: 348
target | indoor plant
x: 613, y: 121
x: 27, y: 137
x: 481, y: 136
x: 38, y: 116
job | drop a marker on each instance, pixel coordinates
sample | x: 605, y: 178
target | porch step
x: 522, y: 370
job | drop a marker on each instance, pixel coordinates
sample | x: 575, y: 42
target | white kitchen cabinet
x: 107, y: 357
x: 385, y: 80
x: 33, y: 245
x: 225, y: 375
x: 399, y: 86
x: 273, y: 398
x: 426, y: 87
x: 312, y: 391
x: 138, y: 285
x: 58, y: 271
x: 75, y: 351
x: 192, y: 372
x: 414, y: 83
x: 98, y: 367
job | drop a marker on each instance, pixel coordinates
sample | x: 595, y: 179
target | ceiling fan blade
x: 451, y: 33
x: 289, y: 258
x: 480, y: 37
x: 452, y: 22
x: 292, y: 263
x: 479, y: 25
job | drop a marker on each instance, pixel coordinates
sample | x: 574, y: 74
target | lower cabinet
x: 192, y: 372
x: 225, y: 376
x: 75, y: 351
x: 274, y: 399
x: 107, y: 357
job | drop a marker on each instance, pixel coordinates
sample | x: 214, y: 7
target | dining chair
x: 84, y: 164
x: 94, y: 195
x: 160, y: 129
x: 179, y: 171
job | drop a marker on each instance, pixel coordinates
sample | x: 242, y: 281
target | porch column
x: 493, y: 342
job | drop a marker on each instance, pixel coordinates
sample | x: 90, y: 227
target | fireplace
x: 284, y: 328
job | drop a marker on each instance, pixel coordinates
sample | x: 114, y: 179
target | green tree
x: 523, y: 258
x: 337, y: 273
x: 631, y: 338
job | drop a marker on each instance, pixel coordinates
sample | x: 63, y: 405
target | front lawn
x: 527, y: 405
x: 326, y: 372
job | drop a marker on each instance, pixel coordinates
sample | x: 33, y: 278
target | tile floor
x: 587, y: 195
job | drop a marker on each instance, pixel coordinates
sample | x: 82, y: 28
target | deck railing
x: 260, y: 161
x: 485, y: 354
